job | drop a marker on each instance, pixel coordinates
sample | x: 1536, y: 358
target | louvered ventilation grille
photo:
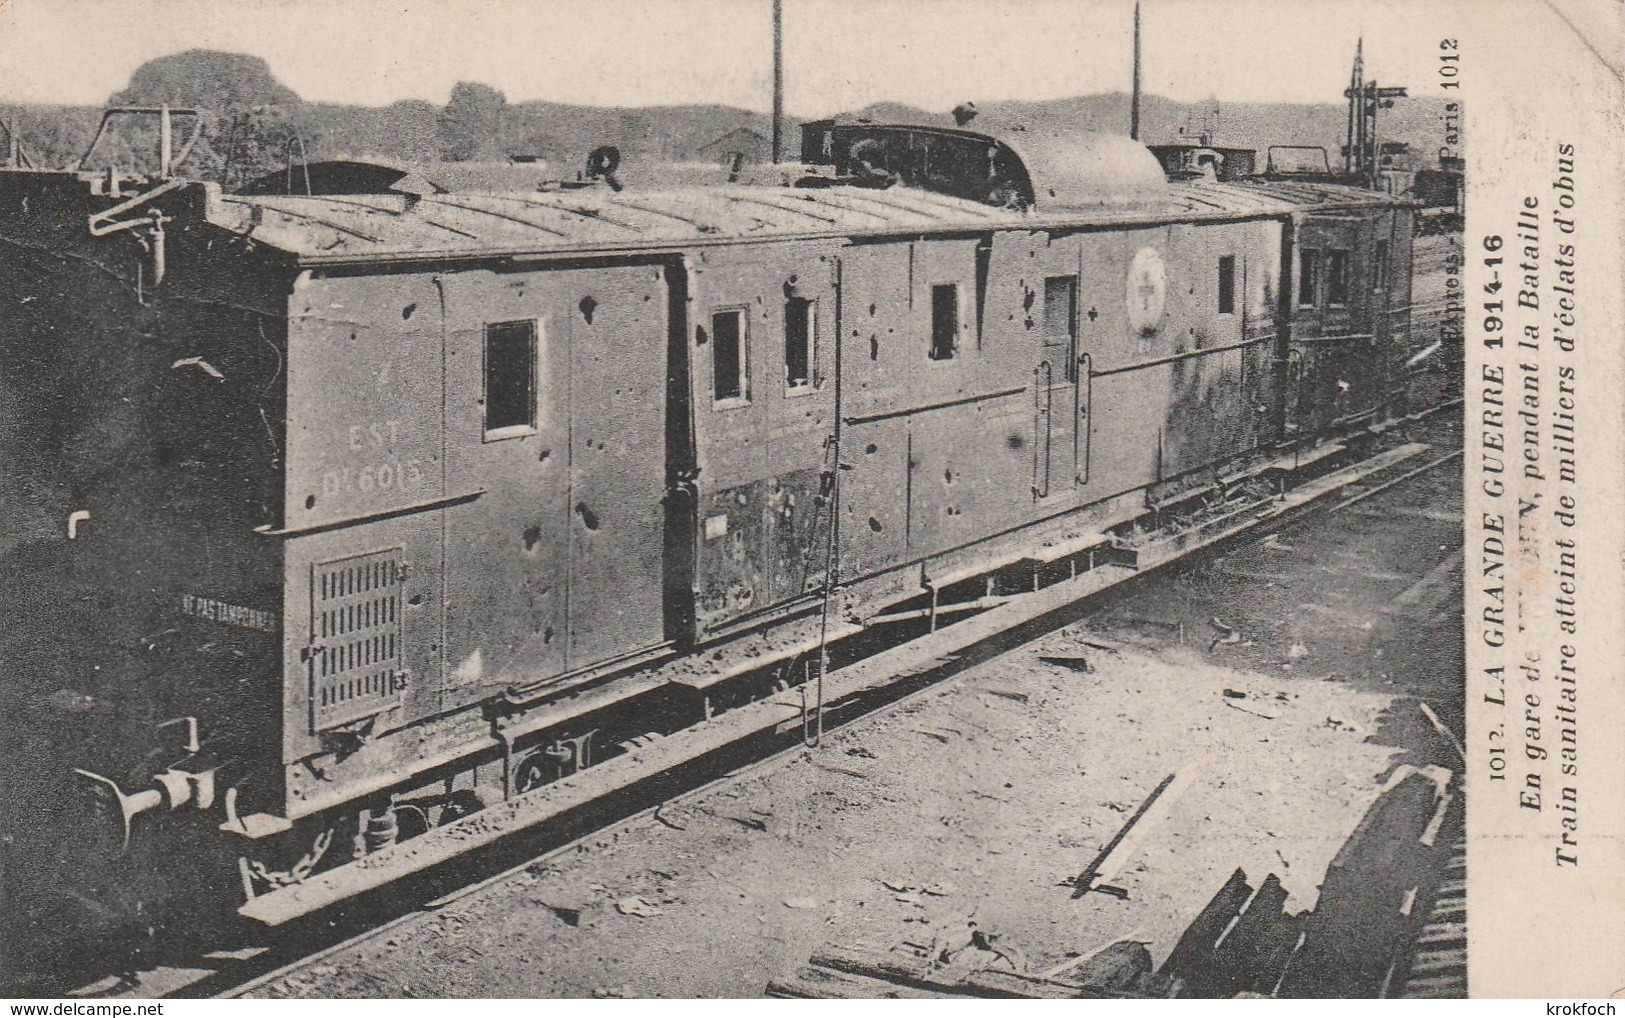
x: 355, y: 625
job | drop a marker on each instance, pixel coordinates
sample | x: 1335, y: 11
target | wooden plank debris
x: 1126, y: 842
x: 1439, y: 726
x: 1195, y: 946
x: 1241, y: 944
x: 814, y: 983
x: 1360, y: 928
x: 895, y: 967
x: 1253, y: 953
x: 1123, y: 966
x: 839, y: 971
x: 1017, y: 985
x: 1077, y: 663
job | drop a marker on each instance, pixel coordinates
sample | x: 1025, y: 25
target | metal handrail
x: 166, y: 161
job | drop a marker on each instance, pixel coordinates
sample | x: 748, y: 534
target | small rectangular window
x: 944, y: 321
x: 1061, y: 321
x: 800, y: 344
x: 1337, y: 277
x: 1308, y: 277
x: 510, y: 378
x: 729, y: 357
x: 1227, y: 285
x: 1379, y: 267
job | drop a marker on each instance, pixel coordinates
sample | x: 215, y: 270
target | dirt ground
x: 978, y: 801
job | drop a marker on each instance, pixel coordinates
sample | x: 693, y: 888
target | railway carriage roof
x: 336, y: 229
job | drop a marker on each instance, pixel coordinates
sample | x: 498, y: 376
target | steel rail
x: 1402, y: 478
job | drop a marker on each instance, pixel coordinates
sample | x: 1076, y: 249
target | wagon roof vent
x: 1017, y: 167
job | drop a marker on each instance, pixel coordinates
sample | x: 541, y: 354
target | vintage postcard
x: 918, y: 499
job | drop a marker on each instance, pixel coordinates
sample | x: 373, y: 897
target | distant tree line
x: 253, y: 124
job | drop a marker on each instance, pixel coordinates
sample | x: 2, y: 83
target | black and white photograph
x: 1049, y: 499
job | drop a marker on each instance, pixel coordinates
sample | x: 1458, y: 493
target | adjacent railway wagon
x: 329, y: 517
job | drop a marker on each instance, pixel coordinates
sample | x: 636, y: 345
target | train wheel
x: 460, y: 804
x: 533, y: 772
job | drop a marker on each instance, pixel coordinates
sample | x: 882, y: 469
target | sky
x: 839, y: 54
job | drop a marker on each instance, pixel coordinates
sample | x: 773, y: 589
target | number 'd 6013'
x: 371, y: 477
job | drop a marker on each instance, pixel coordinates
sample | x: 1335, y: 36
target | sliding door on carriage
x: 1060, y: 422
x: 762, y: 349
x: 555, y: 392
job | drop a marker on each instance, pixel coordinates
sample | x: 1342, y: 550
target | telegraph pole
x: 1364, y: 158
x: 778, y: 81
x: 1349, y: 157
x: 1134, y: 99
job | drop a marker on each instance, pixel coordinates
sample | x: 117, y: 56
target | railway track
x: 758, y: 741
x: 1402, y: 885
x: 1438, y: 966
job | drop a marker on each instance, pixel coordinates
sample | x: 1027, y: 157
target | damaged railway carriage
x: 331, y: 517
